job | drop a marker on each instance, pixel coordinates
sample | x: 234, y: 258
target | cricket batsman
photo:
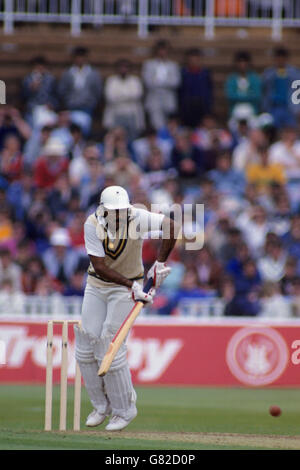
x: 113, y: 241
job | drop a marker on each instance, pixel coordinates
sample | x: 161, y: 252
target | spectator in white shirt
x: 273, y: 304
x: 123, y: 93
x: 162, y: 78
x: 11, y: 301
x: 9, y: 271
x: 286, y: 152
x: 272, y: 266
x: 247, y: 152
x: 254, y: 226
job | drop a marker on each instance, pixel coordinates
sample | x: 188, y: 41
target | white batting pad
x: 121, y: 393
x: 88, y: 365
x: 102, y: 345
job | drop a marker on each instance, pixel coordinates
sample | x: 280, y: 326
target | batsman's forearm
x: 169, y: 239
x: 109, y: 274
x: 117, y: 278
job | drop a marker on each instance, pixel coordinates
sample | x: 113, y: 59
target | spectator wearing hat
x: 196, y: 89
x: 60, y: 260
x: 277, y: 89
x: 51, y: 164
x: 161, y: 77
x: 244, y: 85
x: 123, y: 93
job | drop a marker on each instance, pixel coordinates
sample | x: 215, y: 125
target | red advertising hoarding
x: 172, y: 351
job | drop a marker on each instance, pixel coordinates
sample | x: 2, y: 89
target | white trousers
x: 103, y: 312
x: 104, y: 309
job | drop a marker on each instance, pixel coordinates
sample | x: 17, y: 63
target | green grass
x: 167, y: 417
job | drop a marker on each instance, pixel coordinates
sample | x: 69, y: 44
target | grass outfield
x: 169, y: 418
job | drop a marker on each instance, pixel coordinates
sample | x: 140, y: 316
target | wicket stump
x: 63, y: 379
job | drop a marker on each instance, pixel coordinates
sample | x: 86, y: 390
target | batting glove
x: 159, y: 271
x: 138, y: 294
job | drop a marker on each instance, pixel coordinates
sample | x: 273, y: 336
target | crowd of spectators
x: 160, y: 140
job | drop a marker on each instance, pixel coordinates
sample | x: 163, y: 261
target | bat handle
x: 148, y: 285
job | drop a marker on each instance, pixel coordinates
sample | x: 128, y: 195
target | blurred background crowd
x: 155, y: 133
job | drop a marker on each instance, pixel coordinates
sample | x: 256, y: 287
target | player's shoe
x: 117, y: 423
x: 95, y: 418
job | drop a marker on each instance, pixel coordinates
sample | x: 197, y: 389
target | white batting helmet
x: 114, y: 197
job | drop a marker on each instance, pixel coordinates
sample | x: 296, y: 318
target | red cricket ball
x: 275, y: 410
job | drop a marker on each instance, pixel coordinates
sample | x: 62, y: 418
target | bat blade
x: 118, y: 339
x: 107, y: 360
x: 121, y: 334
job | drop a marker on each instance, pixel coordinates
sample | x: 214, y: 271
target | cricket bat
x: 122, y: 333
